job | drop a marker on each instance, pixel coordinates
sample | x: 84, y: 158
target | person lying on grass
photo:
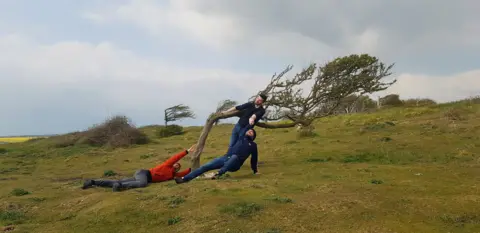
x: 162, y: 172
x: 232, y: 161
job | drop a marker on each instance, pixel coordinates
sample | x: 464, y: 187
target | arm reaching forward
x: 239, y: 107
x: 179, y: 156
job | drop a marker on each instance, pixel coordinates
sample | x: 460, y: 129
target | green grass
x: 398, y: 170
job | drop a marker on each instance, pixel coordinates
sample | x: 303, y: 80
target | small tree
x: 391, y: 100
x: 177, y: 112
x: 330, y: 84
x: 223, y: 106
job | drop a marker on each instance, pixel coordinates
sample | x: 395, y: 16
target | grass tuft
x: 241, y: 209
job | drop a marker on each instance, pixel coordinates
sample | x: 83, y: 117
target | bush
x: 419, y: 102
x: 170, y: 130
x: 3, y: 151
x: 114, y: 132
x: 109, y: 173
x: 19, y: 192
x: 241, y: 209
x: 391, y: 100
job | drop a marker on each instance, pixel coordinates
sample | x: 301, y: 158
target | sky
x: 67, y: 64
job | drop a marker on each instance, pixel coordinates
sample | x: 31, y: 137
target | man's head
x: 251, y: 134
x: 177, y: 167
x: 260, y: 99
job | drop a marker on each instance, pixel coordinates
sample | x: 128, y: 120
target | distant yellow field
x: 14, y: 139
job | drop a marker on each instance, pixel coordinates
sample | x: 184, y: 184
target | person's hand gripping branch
x: 193, y: 148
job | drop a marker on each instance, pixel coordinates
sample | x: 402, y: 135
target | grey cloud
x: 407, y: 29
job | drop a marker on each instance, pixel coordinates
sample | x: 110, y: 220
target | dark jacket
x: 247, y: 110
x: 244, y: 148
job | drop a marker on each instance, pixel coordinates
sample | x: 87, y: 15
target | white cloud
x: 439, y: 88
x: 311, y: 30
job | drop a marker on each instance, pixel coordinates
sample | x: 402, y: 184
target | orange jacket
x: 165, y: 171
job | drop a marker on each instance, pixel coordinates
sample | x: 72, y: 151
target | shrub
x: 419, y: 102
x: 241, y: 209
x: 170, y: 130
x: 114, y: 132
x: 391, y: 100
x: 174, y: 220
x: 3, y: 151
x: 280, y: 199
x: 9, y: 217
x: 108, y: 173
x: 19, y: 192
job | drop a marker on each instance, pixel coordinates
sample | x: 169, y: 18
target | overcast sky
x: 68, y: 64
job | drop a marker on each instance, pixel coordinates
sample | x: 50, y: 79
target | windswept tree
x: 329, y: 85
x: 223, y: 106
x: 177, y: 112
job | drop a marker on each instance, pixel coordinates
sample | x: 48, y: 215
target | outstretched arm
x: 175, y: 158
x: 254, y: 160
x: 183, y: 173
x: 179, y: 156
x: 240, y: 107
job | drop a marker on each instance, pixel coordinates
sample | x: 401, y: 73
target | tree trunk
x: 203, y: 136
x: 165, y: 117
x: 195, y: 159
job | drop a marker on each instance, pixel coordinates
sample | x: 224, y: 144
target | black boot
x: 179, y: 180
x: 87, y: 184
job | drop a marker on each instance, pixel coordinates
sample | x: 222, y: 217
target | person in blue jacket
x: 232, y: 161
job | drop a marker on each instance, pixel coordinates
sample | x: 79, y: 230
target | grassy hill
x: 397, y: 170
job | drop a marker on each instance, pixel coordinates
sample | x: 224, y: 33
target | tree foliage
x: 223, y: 106
x: 177, y: 112
x: 391, y: 100
x: 329, y: 85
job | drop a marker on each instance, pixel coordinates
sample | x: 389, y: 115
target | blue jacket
x: 244, y: 148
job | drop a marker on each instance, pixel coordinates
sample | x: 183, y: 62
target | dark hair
x: 263, y: 96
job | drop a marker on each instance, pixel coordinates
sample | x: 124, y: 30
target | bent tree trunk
x: 203, y: 136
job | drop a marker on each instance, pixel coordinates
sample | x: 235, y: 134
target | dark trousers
x: 141, y: 179
x: 224, y: 163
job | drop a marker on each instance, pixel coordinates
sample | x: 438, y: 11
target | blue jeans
x: 229, y: 163
x: 237, y: 133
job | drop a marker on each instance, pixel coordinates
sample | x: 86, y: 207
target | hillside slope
x: 398, y: 170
